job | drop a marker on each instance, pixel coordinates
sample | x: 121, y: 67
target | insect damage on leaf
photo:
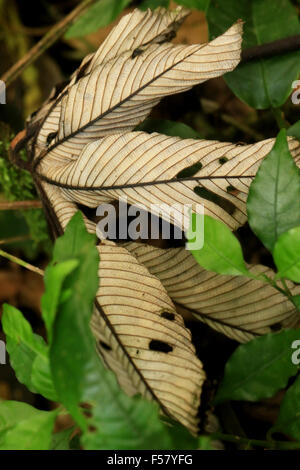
x: 84, y: 152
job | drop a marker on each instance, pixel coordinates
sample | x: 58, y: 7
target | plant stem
x: 280, y: 119
x: 278, y: 445
x: 21, y: 238
x: 22, y: 263
x: 55, y: 33
x: 20, y: 205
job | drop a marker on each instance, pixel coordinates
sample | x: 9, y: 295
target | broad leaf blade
x: 289, y: 415
x: 259, y: 368
x: 221, y: 251
x: 274, y: 196
x: 287, y: 255
x: 265, y: 21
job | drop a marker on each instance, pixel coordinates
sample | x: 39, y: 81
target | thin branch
x: 53, y: 35
x: 22, y: 263
x: 20, y: 205
x: 21, y: 238
x: 271, y: 49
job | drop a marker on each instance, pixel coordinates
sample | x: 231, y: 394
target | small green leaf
x: 196, y: 4
x: 289, y: 414
x: 28, y: 353
x: 23, y: 427
x: 260, y: 368
x: 102, y: 13
x: 170, y: 128
x: 274, y: 195
x: 153, y: 4
x: 267, y: 82
x: 114, y: 420
x: 287, y: 255
x: 221, y: 251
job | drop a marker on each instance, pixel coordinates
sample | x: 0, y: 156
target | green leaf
x: 289, y: 414
x: 267, y: 82
x: 153, y: 4
x: 273, y: 203
x: 53, y: 279
x: 296, y: 301
x: 221, y: 251
x: 259, y: 368
x: 28, y: 353
x: 23, y: 427
x: 171, y: 128
x: 196, y: 4
x: 294, y: 130
x: 287, y: 255
x: 61, y: 439
x: 102, y: 13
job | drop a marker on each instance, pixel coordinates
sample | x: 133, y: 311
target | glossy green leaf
x: 221, y: 251
x: 171, y: 128
x: 259, y: 368
x: 28, y: 353
x: 100, y: 14
x: 23, y: 427
x: 263, y: 83
x: 273, y: 203
x: 289, y: 414
x: 287, y: 255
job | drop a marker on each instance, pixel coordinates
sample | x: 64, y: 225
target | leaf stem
x: 53, y: 35
x: 22, y: 263
x: 20, y: 205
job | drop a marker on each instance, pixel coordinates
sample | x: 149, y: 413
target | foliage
x: 264, y: 365
x: 68, y: 370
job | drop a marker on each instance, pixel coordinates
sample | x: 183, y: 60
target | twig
x: 22, y: 263
x: 271, y: 49
x: 21, y: 238
x: 242, y: 126
x: 44, y: 44
x: 20, y: 205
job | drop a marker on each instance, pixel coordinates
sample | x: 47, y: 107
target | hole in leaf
x: 215, y: 198
x: 190, y: 170
x: 136, y: 52
x: 276, y: 326
x: 232, y: 190
x: 50, y: 137
x: 161, y: 346
x: 168, y: 315
x: 223, y: 160
x: 105, y: 346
